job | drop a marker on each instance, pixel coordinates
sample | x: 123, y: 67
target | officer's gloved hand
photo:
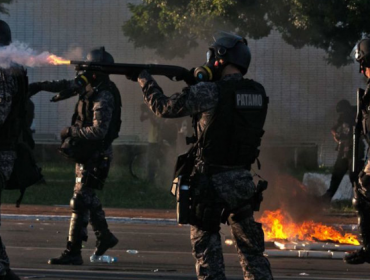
x: 133, y: 76
x: 64, y: 94
x: 189, y: 78
x: 65, y: 133
x: 34, y: 88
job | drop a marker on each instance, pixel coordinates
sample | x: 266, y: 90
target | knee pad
x: 76, y: 203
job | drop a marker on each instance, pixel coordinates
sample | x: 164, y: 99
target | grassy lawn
x: 120, y: 190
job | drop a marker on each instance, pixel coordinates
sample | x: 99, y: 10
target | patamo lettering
x: 249, y: 100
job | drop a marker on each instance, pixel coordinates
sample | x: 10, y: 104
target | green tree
x: 4, y: 10
x: 173, y: 27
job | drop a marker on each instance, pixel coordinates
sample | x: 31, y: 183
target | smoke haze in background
x: 74, y: 53
x: 20, y: 53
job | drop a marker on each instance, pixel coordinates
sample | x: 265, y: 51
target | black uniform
x: 95, y: 124
x: 232, y: 112
x: 13, y: 98
x: 343, y: 131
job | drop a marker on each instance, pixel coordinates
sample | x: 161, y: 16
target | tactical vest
x: 84, y: 114
x: 15, y: 123
x: 233, y: 136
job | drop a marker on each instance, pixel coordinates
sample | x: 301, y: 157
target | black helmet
x: 361, y: 53
x: 232, y: 49
x: 100, y: 55
x: 5, y: 34
x: 343, y: 106
x: 94, y: 78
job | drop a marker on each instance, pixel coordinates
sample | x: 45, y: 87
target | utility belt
x: 199, y: 205
x: 211, y: 169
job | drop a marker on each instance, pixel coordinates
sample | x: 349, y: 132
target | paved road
x: 163, y: 253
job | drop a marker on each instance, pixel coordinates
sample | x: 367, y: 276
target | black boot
x: 357, y: 257
x: 10, y: 275
x: 70, y: 256
x: 105, y: 240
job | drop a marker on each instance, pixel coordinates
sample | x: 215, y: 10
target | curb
x: 128, y: 220
x: 123, y: 220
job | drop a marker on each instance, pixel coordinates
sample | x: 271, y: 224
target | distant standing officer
x: 342, y: 133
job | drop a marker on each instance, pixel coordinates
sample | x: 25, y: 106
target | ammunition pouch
x: 258, y: 197
x: 25, y: 172
x: 97, y: 172
x: 181, y: 189
x: 79, y: 150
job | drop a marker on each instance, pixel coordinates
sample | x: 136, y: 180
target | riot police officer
x: 229, y: 113
x: 95, y: 124
x: 13, y: 98
x: 342, y: 133
x: 361, y: 200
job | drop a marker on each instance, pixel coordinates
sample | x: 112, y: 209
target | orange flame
x: 55, y: 60
x: 278, y: 225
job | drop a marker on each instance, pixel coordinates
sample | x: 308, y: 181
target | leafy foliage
x: 4, y: 10
x: 173, y: 27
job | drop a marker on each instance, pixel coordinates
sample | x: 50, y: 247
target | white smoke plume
x: 20, y: 53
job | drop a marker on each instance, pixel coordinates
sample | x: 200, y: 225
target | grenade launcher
x: 174, y: 73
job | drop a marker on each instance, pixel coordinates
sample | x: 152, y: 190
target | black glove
x: 65, y: 133
x: 133, y: 75
x: 64, y: 94
x: 189, y: 78
x: 34, y: 88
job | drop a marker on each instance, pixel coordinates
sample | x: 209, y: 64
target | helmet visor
x: 210, y: 54
x: 356, y: 53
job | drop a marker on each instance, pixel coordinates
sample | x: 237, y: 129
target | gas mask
x: 212, y: 70
x: 84, y: 78
x: 87, y: 82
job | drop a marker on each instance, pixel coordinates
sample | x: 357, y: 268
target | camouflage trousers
x: 7, y: 159
x: 234, y: 188
x: 89, y: 176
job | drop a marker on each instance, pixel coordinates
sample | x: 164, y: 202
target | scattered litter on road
x: 229, y: 242
x: 132, y: 252
x: 303, y: 274
x: 156, y: 270
x: 102, y: 259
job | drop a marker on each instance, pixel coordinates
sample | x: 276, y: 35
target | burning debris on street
x: 278, y: 225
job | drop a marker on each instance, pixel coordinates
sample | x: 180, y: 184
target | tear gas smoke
x: 20, y: 53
